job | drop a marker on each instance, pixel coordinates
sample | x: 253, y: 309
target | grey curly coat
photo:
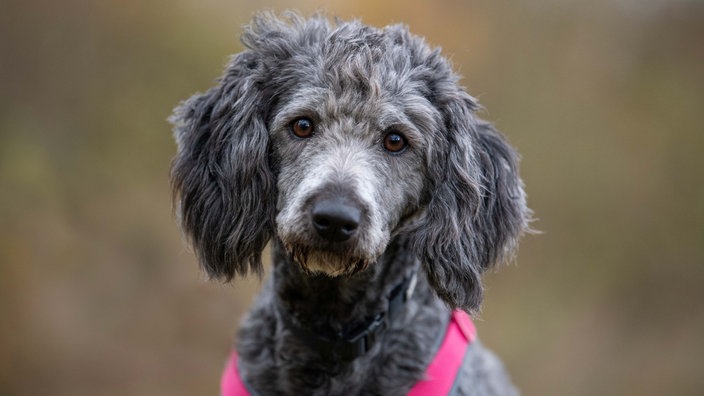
x: 357, y: 154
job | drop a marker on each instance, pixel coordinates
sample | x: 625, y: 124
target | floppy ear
x: 476, y: 209
x: 222, y: 183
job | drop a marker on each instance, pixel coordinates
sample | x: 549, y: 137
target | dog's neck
x: 326, y: 306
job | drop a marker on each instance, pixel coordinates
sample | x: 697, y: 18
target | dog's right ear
x: 223, y: 187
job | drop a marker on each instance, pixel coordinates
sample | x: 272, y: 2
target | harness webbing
x: 439, y: 376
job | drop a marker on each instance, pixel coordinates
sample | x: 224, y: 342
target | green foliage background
x: 604, y: 99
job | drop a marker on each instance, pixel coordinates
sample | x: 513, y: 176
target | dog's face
x: 336, y: 140
x: 350, y: 166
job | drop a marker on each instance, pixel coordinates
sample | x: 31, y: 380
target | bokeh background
x: 604, y: 99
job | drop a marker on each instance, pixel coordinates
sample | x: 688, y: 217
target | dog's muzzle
x: 331, y: 232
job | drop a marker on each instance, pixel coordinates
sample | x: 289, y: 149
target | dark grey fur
x: 450, y: 206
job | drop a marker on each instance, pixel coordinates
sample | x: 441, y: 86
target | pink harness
x: 439, y: 377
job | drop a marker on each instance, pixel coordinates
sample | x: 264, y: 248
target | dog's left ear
x: 476, y: 207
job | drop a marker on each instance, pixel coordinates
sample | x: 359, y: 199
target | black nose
x: 335, y: 220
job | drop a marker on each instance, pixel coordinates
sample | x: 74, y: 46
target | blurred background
x: 604, y: 99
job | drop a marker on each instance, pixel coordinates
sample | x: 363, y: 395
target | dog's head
x: 336, y: 139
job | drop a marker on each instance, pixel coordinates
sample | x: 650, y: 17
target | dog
x: 357, y: 155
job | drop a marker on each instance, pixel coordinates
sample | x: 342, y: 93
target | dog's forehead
x: 370, y: 82
x: 324, y: 100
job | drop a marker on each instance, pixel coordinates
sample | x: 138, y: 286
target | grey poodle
x: 355, y: 152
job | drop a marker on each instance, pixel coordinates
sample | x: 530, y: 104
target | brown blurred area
x: 604, y: 99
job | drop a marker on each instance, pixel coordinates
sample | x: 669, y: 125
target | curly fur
x: 450, y: 206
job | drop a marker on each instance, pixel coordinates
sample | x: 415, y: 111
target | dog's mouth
x: 327, y: 261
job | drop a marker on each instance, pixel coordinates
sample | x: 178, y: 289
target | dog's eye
x: 302, y: 127
x: 394, y: 142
